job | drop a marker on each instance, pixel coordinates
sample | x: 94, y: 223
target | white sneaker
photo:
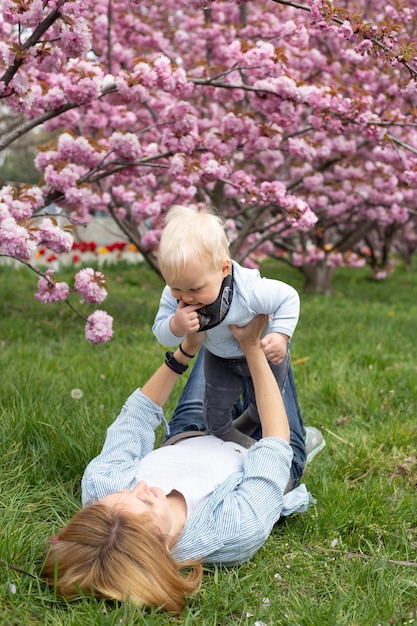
x: 314, y: 442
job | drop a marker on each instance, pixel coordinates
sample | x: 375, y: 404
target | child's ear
x: 226, y: 267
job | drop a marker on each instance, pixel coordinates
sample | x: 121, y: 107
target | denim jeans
x: 189, y: 414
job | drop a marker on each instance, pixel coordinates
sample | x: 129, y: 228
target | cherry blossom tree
x: 295, y: 120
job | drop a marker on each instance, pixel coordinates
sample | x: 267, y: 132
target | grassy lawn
x: 349, y: 560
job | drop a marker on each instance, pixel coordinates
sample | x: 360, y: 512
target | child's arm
x: 161, y: 327
x: 282, y: 303
x: 174, y: 320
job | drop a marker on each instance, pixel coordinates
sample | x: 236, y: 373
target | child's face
x: 200, y: 285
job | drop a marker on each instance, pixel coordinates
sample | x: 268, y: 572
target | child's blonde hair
x: 118, y: 555
x: 190, y: 234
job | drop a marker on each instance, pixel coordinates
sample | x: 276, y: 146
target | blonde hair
x: 190, y: 234
x: 118, y: 555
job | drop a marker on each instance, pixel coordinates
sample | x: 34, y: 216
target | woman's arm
x: 131, y: 436
x: 159, y: 386
x: 272, y: 413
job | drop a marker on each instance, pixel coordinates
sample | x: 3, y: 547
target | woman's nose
x: 141, y: 487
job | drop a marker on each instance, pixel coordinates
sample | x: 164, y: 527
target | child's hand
x: 185, y: 320
x: 274, y: 346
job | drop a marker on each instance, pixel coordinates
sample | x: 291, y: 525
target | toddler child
x: 207, y: 291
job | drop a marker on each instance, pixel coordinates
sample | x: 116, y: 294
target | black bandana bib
x: 213, y: 314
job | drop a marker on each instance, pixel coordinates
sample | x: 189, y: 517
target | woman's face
x: 144, y: 499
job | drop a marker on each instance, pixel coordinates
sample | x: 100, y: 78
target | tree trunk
x: 318, y: 278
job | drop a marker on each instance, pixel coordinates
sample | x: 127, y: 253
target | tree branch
x: 39, y: 31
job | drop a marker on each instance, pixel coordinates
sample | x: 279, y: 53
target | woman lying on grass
x: 215, y: 501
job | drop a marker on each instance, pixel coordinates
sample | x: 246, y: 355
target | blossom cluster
x: 91, y: 286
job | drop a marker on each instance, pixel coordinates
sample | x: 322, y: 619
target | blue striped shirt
x: 234, y: 521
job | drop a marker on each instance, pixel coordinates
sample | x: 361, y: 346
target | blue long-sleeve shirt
x: 252, y: 295
x: 232, y: 522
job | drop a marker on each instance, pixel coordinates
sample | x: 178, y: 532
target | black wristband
x: 190, y: 356
x: 173, y: 364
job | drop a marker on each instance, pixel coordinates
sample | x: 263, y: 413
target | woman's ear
x: 226, y: 267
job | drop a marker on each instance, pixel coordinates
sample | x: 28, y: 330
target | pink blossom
x: 213, y: 168
x: 354, y: 260
x: 180, y: 143
x: 81, y: 200
x: 335, y: 260
x: 86, y: 80
x: 99, y: 327
x: 178, y: 164
x: 273, y: 191
x: 297, y: 259
x: 182, y: 116
x: 15, y: 240
x: 314, y: 182
x: 150, y: 241
x: 364, y: 46
x: 49, y: 290
x: 12, y: 12
x: 90, y: 284
x: 301, y: 148
x: 75, y: 40
x: 345, y: 30
x: 307, y: 219
x: 4, y: 211
x: 64, y: 178
x: 380, y: 274
x: 54, y: 237
x: 262, y: 54
x: 220, y: 146
x: 77, y: 149
x: 145, y: 73
x: 21, y: 209
x: 163, y: 71
x: 411, y: 88
x: 126, y: 146
x: 33, y: 15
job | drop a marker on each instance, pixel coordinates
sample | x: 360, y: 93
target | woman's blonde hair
x: 190, y: 234
x: 119, y: 555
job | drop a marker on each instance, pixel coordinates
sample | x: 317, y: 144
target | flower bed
x: 89, y: 251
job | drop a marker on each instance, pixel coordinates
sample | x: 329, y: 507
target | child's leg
x: 223, y: 388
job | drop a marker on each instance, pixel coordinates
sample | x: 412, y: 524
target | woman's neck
x: 178, y: 508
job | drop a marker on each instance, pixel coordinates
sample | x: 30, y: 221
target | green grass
x: 347, y: 561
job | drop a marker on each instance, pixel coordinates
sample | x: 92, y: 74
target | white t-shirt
x: 183, y: 467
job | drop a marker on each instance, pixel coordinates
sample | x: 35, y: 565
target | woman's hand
x: 250, y: 334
